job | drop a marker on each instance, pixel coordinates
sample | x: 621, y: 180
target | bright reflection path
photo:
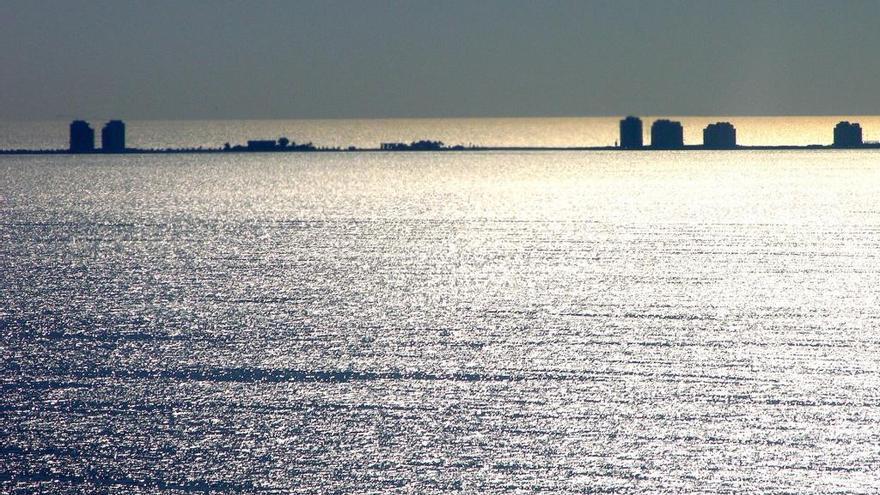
x: 421, y: 323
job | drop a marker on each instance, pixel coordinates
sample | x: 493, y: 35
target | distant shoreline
x: 665, y: 134
x: 174, y: 151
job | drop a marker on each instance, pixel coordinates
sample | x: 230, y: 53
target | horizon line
x: 547, y: 117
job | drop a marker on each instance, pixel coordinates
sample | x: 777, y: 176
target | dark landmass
x: 666, y: 135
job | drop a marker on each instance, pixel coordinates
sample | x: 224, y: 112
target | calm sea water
x: 566, y: 322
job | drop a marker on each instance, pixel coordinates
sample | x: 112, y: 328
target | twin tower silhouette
x: 82, y: 137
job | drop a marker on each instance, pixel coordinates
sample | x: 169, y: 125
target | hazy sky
x: 181, y: 59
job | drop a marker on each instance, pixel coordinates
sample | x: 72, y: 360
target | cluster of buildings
x: 669, y: 135
x: 82, y: 137
x: 265, y: 145
x: 423, y: 145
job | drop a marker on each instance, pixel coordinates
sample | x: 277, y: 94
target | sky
x: 223, y: 59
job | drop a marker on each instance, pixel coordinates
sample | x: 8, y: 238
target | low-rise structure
x: 262, y: 145
x: 423, y: 145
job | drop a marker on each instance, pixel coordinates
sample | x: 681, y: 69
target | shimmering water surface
x: 568, y: 322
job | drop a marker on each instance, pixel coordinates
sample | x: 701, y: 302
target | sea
x: 442, y: 322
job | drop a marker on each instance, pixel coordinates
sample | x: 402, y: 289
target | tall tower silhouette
x: 847, y: 135
x: 631, y: 133
x: 82, y: 137
x: 720, y: 135
x: 667, y: 135
x: 113, y: 137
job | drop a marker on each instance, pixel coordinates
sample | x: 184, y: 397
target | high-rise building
x: 667, y: 135
x: 719, y: 136
x: 631, y: 133
x: 847, y: 135
x: 82, y: 137
x: 113, y: 137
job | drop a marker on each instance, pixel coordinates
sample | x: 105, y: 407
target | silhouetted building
x: 82, y: 137
x: 631, y: 133
x: 262, y: 145
x: 719, y: 136
x: 423, y: 145
x: 847, y: 135
x: 113, y: 137
x: 268, y: 145
x: 667, y: 135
